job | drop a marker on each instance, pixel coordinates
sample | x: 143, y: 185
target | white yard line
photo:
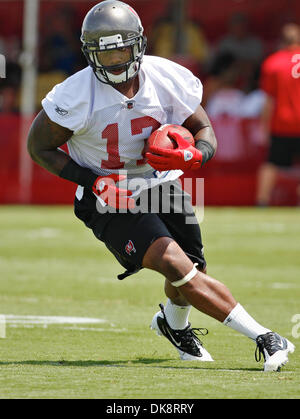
x: 30, y: 321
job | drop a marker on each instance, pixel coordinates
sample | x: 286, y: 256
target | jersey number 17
x: 111, y: 134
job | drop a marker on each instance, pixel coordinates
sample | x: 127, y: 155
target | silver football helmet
x: 113, y: 25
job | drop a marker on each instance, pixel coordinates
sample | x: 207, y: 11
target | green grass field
x: 51, y: 265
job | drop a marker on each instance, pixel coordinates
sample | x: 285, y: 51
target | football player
x: 104, y: 113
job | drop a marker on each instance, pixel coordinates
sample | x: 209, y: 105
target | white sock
x: 177, y: 316
x: 239, y: 320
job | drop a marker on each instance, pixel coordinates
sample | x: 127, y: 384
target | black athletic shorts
x: 128, y: 235
x: 284, y: 150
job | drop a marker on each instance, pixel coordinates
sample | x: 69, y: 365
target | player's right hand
x: 105, y: 188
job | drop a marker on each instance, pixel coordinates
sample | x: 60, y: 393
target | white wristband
x: 187, y: 277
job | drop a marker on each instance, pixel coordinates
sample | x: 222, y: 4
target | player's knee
x: 165, y: 256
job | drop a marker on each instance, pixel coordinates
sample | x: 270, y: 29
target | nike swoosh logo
x: 166, y: 332
x: 174, y: 340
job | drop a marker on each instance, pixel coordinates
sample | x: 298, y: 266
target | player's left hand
x: 184, y: 157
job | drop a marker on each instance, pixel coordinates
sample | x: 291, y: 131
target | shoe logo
x: 174, y: 340
x: 130, y: 248
x: 167, y: 333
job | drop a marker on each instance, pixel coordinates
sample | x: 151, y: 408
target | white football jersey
x: 110, y: 130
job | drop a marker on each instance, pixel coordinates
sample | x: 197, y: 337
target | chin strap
x: 187, y: 277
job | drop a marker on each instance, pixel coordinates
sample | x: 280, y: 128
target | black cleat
x: 186, y: 341
x: 275, y: 350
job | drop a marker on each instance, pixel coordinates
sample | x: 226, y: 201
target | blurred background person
x: 222, y: 102
x: 58, y: 48
x: 220, y: 93
x: 281, y: 113
x: 228, y: 106
x: 247, y: 49
x: 177, y: 37
x: 59, y: 56
x: 240, y: 41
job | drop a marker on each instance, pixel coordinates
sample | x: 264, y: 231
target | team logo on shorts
x: 130, y: 248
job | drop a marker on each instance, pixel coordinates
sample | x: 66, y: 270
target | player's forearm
x: 200, y: 126
x: 206, y: 134
x: 52, y: 160
x: 206, y: 142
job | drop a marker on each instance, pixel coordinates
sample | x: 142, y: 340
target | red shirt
x: 280, y: 78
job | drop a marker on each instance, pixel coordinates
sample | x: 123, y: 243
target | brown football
x: 160, y: 137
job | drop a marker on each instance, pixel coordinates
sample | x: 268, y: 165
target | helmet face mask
x: 113, y: 26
